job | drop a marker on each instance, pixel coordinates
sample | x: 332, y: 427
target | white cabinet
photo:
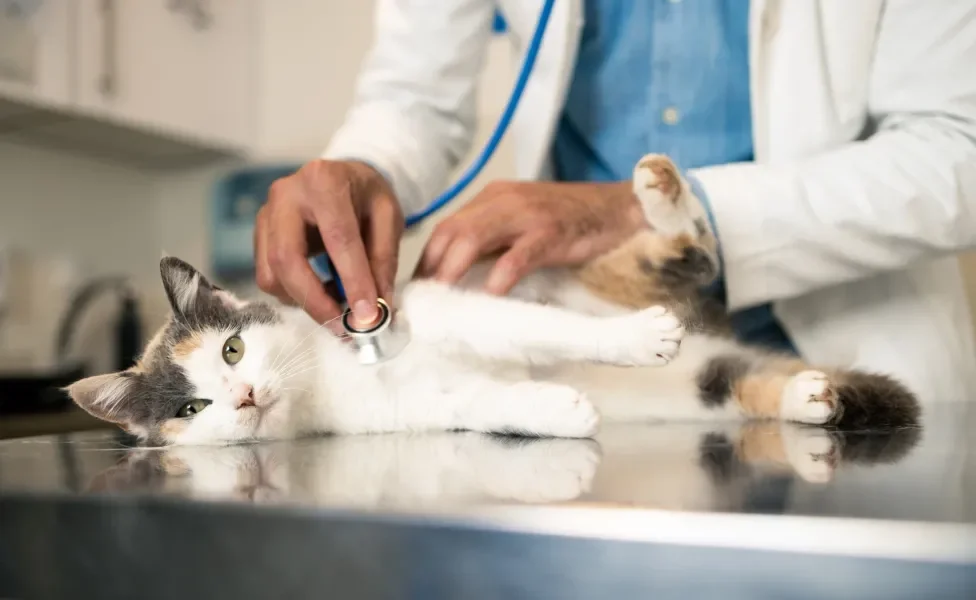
x: 35, y: 51
x: 181, y: 67
x: 150, y: 82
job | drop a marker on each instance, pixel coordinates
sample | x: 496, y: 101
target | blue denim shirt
x: 668, y: 76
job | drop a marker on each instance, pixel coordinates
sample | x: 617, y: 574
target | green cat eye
x: 192, y: 407
x: 233, y: 350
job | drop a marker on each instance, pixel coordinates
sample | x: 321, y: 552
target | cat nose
x: 242, y: 394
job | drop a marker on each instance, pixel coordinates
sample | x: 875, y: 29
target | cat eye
x: 233, y: 350
x: 192, y: 407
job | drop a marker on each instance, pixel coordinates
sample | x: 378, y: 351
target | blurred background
x: 130, y: 129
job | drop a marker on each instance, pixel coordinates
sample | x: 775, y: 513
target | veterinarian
x: 834, y: 143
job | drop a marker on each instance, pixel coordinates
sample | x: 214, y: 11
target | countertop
x: 683, y: 510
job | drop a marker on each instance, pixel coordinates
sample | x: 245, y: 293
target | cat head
x: 220, y: 370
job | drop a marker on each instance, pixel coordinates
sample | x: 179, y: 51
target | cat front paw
x: 647, y: 338
x: 809, y: 398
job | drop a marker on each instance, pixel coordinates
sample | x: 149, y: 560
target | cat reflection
x: 678, y: 466
x: 696, y: 466
x: 365, y: 471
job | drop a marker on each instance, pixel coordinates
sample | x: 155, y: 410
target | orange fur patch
x: 173, y: 466
x: 759, y: 393
x: 626, y: 276
x: 172, y: 428
x: 185, y: 347
x: 762, y: 442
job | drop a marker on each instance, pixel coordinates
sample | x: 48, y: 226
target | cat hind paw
x: 809, y: 398
x: 812, y: 452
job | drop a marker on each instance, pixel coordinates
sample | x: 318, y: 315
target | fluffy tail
x: 871, y: 401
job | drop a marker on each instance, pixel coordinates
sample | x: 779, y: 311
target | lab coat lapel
x: 760, y: 26
x: 534, y: 123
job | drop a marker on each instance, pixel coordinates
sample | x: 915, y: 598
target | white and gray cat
x: 567, y: 348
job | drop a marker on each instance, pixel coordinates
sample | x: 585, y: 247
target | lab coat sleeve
x: 903, y: 195
x: 414, y: 112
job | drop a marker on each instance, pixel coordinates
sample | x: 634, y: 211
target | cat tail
x: 871, y: 400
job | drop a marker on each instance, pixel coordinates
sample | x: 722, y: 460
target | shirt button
x: 670, y: 115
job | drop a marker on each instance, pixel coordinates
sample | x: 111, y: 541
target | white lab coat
x: 863, y: 186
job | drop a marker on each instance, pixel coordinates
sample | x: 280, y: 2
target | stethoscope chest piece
x: 378, y: 341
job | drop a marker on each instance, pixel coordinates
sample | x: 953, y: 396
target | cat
x: 565, y: 349
x: 688, y: 466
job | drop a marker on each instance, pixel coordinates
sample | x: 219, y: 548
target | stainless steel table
x: 677, y: 510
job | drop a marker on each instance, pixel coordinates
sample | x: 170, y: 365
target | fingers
x: 339, y: 227
x: 262, y: 267
x: 523, y: 257
x: 286, y: 255
x: 463, y: 238
x: 383, y: 244
x: 434, y: 251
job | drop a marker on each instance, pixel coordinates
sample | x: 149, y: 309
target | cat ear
x: 103, y: 396
x: 186, y: 287
x: 183, y: 284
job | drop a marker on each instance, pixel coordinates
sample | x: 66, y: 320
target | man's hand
x: 345, y: 208
x: 536, y: 224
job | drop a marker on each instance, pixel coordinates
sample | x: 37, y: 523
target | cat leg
x: 773, y: 386
x: 683, y: 248
x: 511, y: 330
x: 528, y: 470
x: 812, y: 453
x: 488, y: 405
x: 767, y: 387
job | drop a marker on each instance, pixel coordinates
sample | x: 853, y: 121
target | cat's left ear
x: 187, y: 288
x: 104, y: 396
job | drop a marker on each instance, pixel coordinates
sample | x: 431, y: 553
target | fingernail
x: 365, y: 312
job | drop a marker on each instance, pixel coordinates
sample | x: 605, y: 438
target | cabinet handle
x: 107, y: 81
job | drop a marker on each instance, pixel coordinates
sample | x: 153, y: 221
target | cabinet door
x: 179, y: 67
x: 34, y: 51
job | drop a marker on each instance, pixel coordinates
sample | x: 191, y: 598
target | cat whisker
x: 297, y: 346
x: 297, y: 364
x: 275, y: 361
x: 289, y: 362
x: 296, y: 372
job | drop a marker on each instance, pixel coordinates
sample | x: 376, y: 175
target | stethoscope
x: 383, y: 339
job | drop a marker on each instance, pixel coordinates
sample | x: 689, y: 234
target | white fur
x: 438, y: 469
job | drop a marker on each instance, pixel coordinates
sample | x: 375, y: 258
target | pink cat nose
x: 242, y: 394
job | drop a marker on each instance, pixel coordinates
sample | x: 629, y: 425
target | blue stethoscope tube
x: 486, y: 153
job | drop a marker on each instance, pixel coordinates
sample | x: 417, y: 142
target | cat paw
x: 812, y: 452
x: 560, y: 411
x: 658, y: 187
x: 656, y: 182
x: 648, y: 338
x: 539, y: 471
x: 809, y: 398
